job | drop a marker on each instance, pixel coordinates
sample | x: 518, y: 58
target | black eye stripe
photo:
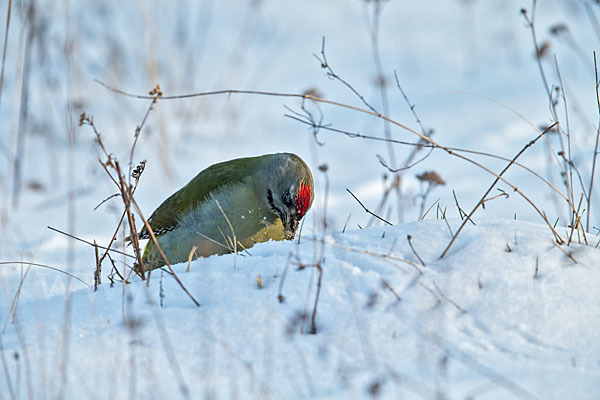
x: 287, y: 198
x: 272, y: 204
x: 270, y: 199
x: 276, y: 210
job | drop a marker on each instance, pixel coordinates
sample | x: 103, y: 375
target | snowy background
x: 476, y: 324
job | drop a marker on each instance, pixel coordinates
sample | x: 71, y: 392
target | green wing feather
x: 165, y: 217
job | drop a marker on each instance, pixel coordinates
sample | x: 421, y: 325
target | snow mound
x: 479, y: 323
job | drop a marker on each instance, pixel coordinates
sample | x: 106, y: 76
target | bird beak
x: 290, y: 230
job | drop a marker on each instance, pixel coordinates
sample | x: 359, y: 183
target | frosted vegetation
x: 452, y: 249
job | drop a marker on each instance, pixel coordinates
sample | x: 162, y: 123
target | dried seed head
x: 156, y: 92
x: 543, y: 50
x: 137, y: 172
x: 431, y: 177
x: 313, y: 92
x: 558, y: 28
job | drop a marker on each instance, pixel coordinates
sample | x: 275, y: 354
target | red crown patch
x: 303, y: 199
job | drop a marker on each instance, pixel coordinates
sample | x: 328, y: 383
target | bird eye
x: 287, y: 198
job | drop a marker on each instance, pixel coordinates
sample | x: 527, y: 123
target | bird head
x: 290, y: 192
x: 291, y: 205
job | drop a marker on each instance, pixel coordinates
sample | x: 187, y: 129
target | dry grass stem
x: 558, y: 245
x: 46, y: 267
x: 90, y: 243
x: 7, y: 25
x: 381, y: 255
x: 233, y: 241
x: 595, y: 156
x: 501, y: 194
x: 190, y: 256
x: 346, y: 223
x: 349, y: 107
x: 409, y: 237
x: 429, y: 209
x: 126, y: 191
x: 556, y: 235
x: 155, y: 241
x: 98, y: 269
x: 449, y: 300
x: 391, y: 289
x: 13, y: 306
x: 575, y: 221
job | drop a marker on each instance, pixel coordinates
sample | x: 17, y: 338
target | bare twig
x: 155, y: 241
x: 346, y: 224
x: 332, y: 75
x: 90, y: 243
x: 106, y: 199
x: 98, y: 269
x: 13, y: 307
x: 494, y: 184
x: 47, y: 267
x: 501, y: 194
x: 234, y: 241
x: 564, y: 251
x: 461, y: 212
x: 391, y: 289
x: 449, y: 300
x: 381, y: 255
x: 367, y: 210
x: 575, y: 221
x: 5, y: 47
x: 346, y: 106
x: 313, y: 325
x: 531, y: 24
x: 7, y: 376
x: 429, y: 209
x: 155, y: 93
x: 449, y: 150
x: 595, y: 156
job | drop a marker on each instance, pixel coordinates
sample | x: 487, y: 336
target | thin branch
x: 332, y: 75
x: 381, y: 255
x: 155, y: 93
x: 450, y: 150
x: 448, y: 299
x: 564, y: 251
x: 86, y: 242
x: 47, y: 267
x: 429, y: 209
x: 391, y: 289
x: 357, y: 109
x: 494, y: 184
x: 589, y: 199
x: 155, y: 241
x: 234, y: 241
x: 107, y: 199
x: 531, y: 24
x: 5, y: 47
x: 367, y: 210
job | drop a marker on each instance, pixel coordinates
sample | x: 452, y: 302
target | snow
x: 478, y: 323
